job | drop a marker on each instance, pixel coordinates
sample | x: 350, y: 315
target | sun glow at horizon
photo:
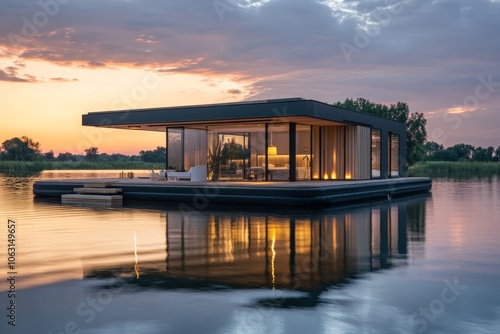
x: 50, y: 111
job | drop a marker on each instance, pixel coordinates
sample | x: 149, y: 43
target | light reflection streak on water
x: 273, y: 250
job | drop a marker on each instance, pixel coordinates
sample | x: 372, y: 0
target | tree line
x: 27, y: 149
x: 461, y: 152
x: 418, y: 149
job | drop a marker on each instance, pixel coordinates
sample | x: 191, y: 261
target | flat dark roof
x: 297, y: 110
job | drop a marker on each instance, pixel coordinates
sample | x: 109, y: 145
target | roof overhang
x: 295, y: 110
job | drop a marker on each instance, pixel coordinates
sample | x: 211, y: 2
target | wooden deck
x: 301, y: 193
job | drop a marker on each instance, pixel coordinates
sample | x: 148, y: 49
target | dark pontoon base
x: 304, y: 194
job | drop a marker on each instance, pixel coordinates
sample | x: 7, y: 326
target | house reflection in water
x: 302, y: 251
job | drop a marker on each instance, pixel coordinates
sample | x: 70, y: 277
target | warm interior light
x: 325, y: 176
x: 348, y: 176
x: 334, y: 175
x: 272, y: 150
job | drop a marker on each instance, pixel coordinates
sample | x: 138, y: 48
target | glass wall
x: 375, y: 153
x: 278, y: 151
x: 195, y: 148
x: 303, y: 150
x: 245, y: 149
x: 253, y: 151
x: 332, y: 147
x: 357, y: 153
x: 393, y: 155
x: 175, y: 142
x: 233, y: 152
x: 186, y: 148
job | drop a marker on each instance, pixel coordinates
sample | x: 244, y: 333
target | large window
x: 195, y: 148
x: 278, y: 152
x: 332, y: 156
x: 393, y: 155
x: 234, y: 151
x: 175, y: 143
x: 186, y: 148
x: 303, y: 151
x: 375, y: 153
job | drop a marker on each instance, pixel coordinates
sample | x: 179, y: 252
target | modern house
x: 274, y: 140
x: 355, y: 156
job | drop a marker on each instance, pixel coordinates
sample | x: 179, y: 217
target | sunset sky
x: 60, y: 59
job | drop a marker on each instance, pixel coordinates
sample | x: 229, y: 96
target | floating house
x: 273, y: 140
x: 286, y: 152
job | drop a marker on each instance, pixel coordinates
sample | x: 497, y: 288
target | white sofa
x: 195, y: 173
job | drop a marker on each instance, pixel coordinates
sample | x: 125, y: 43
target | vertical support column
x: 266, y: 156
x: 166, y: 149
x: 292, y: 139
x: 384, y: 154
x: 182, y: 149
x: 402, y: 155
x: 346, y: 156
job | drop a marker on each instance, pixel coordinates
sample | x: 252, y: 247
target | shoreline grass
x: 38, y: 166
x: 448, y: 168
x: 431, y: 168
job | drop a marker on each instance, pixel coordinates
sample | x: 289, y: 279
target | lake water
x: 421, y: 264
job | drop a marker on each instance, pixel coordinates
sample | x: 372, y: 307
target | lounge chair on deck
x: 195, y: 173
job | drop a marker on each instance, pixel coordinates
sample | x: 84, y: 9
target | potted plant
x: 307, y: 159
x: 215, y: 158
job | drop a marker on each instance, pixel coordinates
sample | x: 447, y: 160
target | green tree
x: 231, y: 150
x: 92, y: 154
x: 416, y: 133
x: 157, y: 155
x: 21, y: 149
x: 464, y: 151
x: 483, y: 154
x: 66, y: 157
x: 49, y: 156
x: 431, y: 148
x: 448, y: 154
x: 119, y: 157
x: 416, y: 136
x: 497, y: 154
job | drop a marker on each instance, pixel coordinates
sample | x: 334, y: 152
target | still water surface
x: 422, y: 264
